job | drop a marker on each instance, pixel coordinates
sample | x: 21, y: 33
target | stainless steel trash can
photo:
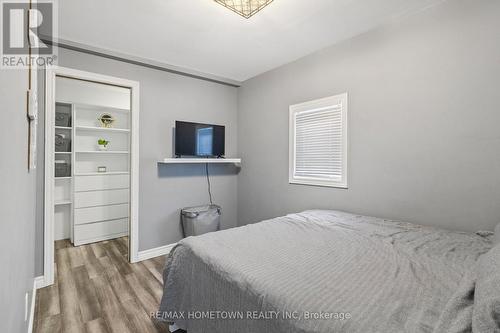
x: 200, y: 219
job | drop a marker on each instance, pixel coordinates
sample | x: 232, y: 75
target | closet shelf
x: 102, y: 173
x: 62, y: 202
x: 103, y: 129
x: 100, y: 107
x: 102, y: 152
x: 63, y: 127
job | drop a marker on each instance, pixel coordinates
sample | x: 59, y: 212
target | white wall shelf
x: 104, y: 129
x: 236, y: 161
x: 63, y: 128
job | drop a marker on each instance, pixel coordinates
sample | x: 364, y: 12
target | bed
x: 331, y: 271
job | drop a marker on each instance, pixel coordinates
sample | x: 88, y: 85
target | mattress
x: 323, y: 271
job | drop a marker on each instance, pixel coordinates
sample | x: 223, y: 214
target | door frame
x: 50, y: 101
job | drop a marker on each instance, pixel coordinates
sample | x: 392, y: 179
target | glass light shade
x: 245, y: 8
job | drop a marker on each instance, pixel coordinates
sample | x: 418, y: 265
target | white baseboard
x: 40, y: 282
x: 32, y: 307
x: 156, y: 252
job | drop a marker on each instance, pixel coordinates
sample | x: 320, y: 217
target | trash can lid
x: 198, y: 209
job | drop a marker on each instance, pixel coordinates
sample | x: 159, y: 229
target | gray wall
x: 165, y: 189
x: 424, y: 122
x: 17, y: 203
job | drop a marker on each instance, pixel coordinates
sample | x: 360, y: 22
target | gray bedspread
x: 324, y: 271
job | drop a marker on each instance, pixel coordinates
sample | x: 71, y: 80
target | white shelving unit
x: 91, y: 206
x: 63, y: 184
x: 101, y: 199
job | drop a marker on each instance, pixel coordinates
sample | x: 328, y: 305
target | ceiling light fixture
x: 245, y: 8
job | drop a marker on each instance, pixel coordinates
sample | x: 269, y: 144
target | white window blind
x: 318, y: 142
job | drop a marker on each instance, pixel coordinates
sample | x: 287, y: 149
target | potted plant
x: 102, y: 144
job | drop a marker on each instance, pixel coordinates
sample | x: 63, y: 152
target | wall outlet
x: 26, y: 306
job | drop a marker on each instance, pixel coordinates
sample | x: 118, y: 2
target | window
x: 318, y: 142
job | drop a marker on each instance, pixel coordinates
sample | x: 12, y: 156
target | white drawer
x: 104, y: 182
x: 101, y: 213
x: 94, y: 232
x: 100, y: 198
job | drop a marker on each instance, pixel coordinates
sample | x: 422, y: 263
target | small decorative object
x: 106, y: 120
x: 62, y: 143
x: 62, y: 168
x: 102, y: 144
x: 101, y: 169
x: 62, y: 119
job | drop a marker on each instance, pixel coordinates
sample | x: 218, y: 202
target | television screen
x: 194, y: 139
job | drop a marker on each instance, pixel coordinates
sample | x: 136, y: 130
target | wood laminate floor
x: 97, y: 290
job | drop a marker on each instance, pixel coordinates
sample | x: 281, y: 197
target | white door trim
x: 50, y: 82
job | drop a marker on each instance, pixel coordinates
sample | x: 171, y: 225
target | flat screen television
x: 202, y: 140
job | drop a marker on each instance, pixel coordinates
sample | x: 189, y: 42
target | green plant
x: 102, y: 142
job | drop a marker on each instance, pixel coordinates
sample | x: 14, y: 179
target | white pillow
x: 496, y: 237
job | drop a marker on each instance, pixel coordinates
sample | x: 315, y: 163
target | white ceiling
x: 204, y: 36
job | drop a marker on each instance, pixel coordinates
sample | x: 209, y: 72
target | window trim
x: 314, y: 105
